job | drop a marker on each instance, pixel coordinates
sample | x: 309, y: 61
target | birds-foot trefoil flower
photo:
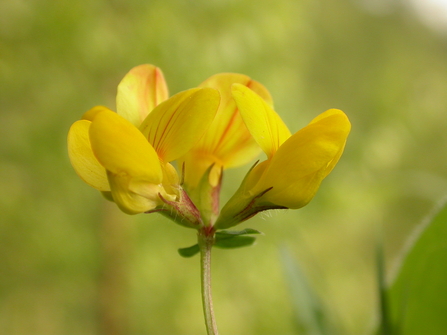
x: 127, y: 154
x: 296, y: 164
x: 222, y: 123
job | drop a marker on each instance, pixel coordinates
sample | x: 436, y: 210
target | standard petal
x: 223, y: 81
x: 82, y: 158
x: 141, y: 90
x: 228, y: 139
x: 264, y: 124
x: 304, y: 160
x: 177, y: 124
x: 227, y: 142
x: 122, y: 149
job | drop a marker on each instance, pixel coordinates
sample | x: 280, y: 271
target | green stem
x: 206, y: 240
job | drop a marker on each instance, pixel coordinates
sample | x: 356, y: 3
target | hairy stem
x: 206, y: 240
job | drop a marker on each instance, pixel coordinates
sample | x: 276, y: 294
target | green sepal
x: 243, y: 205
x: 230, y: 239
x: 189, y: 251
x: 183, y: 211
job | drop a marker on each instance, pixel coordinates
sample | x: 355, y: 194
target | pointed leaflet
x: 264, y: 124
x: 140, y: 91
x: 177, y: 124
x: 82, y: 158
x: 189, y: 251
x: 230, y: 239
x: 236, y: 241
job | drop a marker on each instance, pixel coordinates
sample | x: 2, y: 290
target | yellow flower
x: 128, y: 153
x: 227, y: 142
x: 296, y: 164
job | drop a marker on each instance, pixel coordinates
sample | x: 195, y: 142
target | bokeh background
x: 71, y: 263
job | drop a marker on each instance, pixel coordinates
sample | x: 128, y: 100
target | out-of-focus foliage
x: 71, y: 263
x: 312, y: 315
x: 418, y: 296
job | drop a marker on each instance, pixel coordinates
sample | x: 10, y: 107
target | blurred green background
x: 71, y: 263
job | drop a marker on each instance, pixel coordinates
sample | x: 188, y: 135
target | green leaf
x: 225, y: 239
x: 230, y: 233
x: 384, y: 327
x: 418, y: 295
x: 235, y: 241
x: 229, y: 239
x: 189, y: 251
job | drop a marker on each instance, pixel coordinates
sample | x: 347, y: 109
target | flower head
x: 128, y: 153
x: 222, y: 123
x: 296, y: 164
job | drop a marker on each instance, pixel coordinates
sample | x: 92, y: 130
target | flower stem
x: 206, y: 240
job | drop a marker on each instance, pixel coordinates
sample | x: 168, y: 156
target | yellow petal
x: 170, y: 179
x: 141, y: 90
x: 91, y: 113
x: 81, y: 156
x: 196, y: 163
x: 223, y: 82
x: 227, y: 142
x: 266, y: 127
x: 134, y: 196
x: 228, y: 139
x: 304, y: 160
x: 177, y: 124
x: 336, y: 118
x: 329, y: 113
x: 252, y: 178
x: 122, y: 149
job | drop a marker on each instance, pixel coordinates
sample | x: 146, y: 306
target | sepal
x: 182, y: 211
x: 243, y: 207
